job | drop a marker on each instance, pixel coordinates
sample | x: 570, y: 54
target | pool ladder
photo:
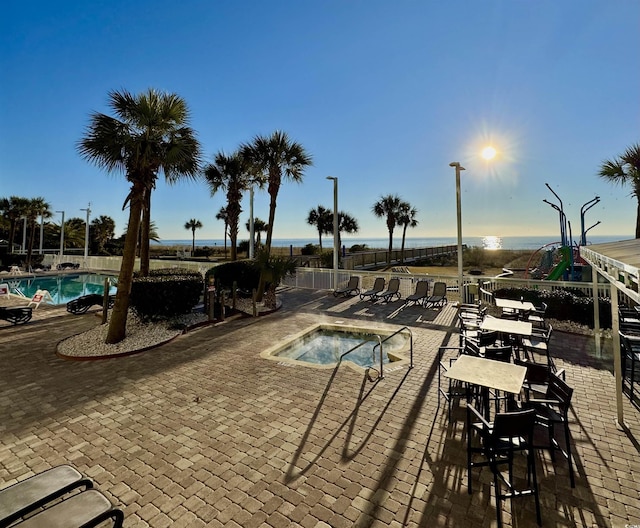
x: 370, y: 368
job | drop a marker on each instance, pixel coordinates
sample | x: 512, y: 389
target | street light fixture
x: 251, y: 227
x: 61, y: 235
x: 86, y: 233
x: 336, y: 248
x: 459, y: 168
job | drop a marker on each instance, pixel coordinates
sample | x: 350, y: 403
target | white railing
x: 112, y: 264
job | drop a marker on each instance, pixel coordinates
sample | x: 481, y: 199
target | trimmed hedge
x: 564, y: 305
x: 165, y: 293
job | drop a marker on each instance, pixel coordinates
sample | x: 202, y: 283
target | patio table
x: 520, y: 306
x: 488, y: 374
x: 506, y: 326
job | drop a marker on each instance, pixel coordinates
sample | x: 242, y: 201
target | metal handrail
x: 389, y: 337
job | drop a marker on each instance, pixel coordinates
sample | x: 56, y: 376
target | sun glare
x: 488, y: 153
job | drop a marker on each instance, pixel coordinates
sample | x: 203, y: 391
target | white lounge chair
x: 39, y: 297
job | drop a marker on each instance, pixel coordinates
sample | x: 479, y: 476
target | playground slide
x: 562, y: 266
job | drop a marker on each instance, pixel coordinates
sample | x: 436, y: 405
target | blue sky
x: 383, y: 95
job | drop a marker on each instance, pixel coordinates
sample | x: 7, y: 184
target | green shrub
x: 310, y: 249
x: 165, y: 293
x: 358, y: 247
x: 244, y: 273
x: 564, y: 305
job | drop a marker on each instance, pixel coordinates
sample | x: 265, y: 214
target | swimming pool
x: 323, y: 345
x: 64, y: 287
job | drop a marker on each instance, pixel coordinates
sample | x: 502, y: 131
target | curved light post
x: 459, y: 168
x: 336, y: 249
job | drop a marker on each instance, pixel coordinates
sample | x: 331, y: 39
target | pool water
x: 62, y: 288
x: 324, y: 346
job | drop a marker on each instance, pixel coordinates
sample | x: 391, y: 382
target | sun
x: 489, y: 153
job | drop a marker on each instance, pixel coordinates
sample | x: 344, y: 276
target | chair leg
x: 496, y: 485
x: 569, y: 457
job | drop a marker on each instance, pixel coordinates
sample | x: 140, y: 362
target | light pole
x: 24, y: 234
x: 251, y: 228
x: 86, y: 232
x: 336, y: 249
x: 61, y: 235
x: 459, y: 168
x: 41, y: 231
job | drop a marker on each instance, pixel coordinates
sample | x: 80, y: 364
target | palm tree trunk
x: 193, y: 240
x: 320, y: 239
x: 272, y: 215
x: 638, y: 219
x: 404, y: 233
x: 144, y: 234
x: 32, y: 236
x: 118, y: 323
x: 390, y: 246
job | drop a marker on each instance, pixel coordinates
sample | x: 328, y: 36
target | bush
x: 165, y: 293
x: 358, y: 247
x: 309, y: 249
x: 204, y: 251
x: 244, y: 273
x: 564, y: 305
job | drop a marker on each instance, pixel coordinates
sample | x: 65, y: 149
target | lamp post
x: 86, y: 232
x: 336, y: 249
x: 41, y: 231
x: 459, y: 168
x: 251, y: 228
x: 61, y: 235
x: 24, y: 234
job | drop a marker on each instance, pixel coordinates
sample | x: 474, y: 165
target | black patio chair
x: 438, y: 297
x: 393, y: 290
x: 82, y: 304
x: 372, y: 294
x: 420, y: 295
x: 352, y: 287
x: 16, y: 315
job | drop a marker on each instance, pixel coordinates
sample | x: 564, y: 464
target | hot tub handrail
x: 354, y: 348
x: 389, y: 337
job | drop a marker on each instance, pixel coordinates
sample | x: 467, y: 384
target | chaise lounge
x: 16, y: 315
x: 352, y: 287
x: 393, y: 290
x: 372, y: 294
x: 82, y: 304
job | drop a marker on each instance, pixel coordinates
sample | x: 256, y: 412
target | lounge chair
x: 393, y: 290
x: 37, y: 491
x: 421, y: 294
x: 352, y: 287
x: 82, y: 304
x: 16, y: 315
x: 439, y: 296
x: 372, y: 294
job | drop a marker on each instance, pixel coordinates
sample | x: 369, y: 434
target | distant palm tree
x: 36, y: 207
x: 193, y: 224
x: 13, y: 209
x: 222, y: 215
x: 149, y: 135
x: 323, y: 220
x: 388, y: 206
x: 346, y: 224
x: 259, y: 226
x: 406, y: 218
x: 102, y: 229
x: 229, y: 173
x: 625, y: 170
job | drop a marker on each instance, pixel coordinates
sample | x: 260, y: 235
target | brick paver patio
x: 204, y: 432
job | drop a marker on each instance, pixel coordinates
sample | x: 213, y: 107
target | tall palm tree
x: 406, y: 218
x: 625, y: 170
x: 259, y: 226
x: 148, y: 136
x: 13, y: 209
x: 193, y: 224
x: 229, y: 173
x: 271, y: 158
x: 388, y: 206
x: 222, y: 215
x: 323, y: 220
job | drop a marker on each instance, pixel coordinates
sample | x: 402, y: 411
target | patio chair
x: 438, y: 297
x: 420, y: 295
x: 352, y: 287
x: 16, y: 315
x: 82, y: 304
x: 552, y: 410
x: 630, y: 351
x: 508, y: 434
x: 378, y: 287
x: 37, y: 491
x: 539, y: 343
x: 393, y: 290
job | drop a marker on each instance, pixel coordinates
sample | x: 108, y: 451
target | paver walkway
x: 204, y: 432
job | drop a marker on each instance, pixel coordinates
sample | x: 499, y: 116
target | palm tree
x: 222, y: 215
x: 271, y: 158
x: 406, y: 218
x: 36, y: 207
x: 323, y: 220
x: 625, y: 170
x: 388, y: 206
x: 346, y: 224
x: 259, y: 226
x: 103, y: 229
x: 148, y: 136
x: 229, y: 173
x: 193, y: 224
x: 13, y: 209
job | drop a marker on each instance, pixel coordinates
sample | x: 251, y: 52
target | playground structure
x: 567, y: 264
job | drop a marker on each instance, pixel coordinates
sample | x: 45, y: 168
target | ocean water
x: 488, y: 242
